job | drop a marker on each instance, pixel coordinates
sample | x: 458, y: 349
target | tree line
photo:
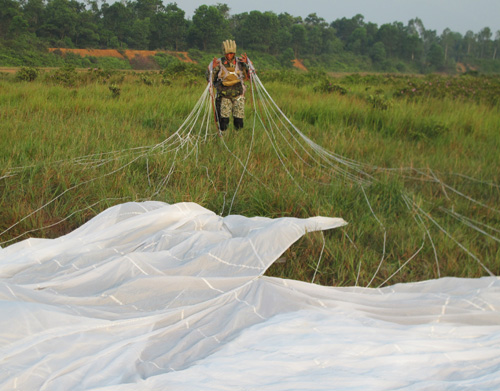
x: 150, y: 24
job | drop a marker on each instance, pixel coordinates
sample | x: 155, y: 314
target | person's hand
x: 244, y: 58
x: 215, y: 62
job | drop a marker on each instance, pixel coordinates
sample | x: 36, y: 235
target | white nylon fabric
x: 152, y: 296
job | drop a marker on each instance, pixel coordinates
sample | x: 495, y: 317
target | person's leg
x: 217, y: 107
x: 223, y: 123
x: 238, y: 112
x: 238, y: 123
x: 226, y: 107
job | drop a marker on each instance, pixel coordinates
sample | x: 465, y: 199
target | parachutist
x: 228, y: 75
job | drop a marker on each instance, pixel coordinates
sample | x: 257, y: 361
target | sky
x: 457, y: 15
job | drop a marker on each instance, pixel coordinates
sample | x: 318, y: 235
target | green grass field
x: 70, y: 147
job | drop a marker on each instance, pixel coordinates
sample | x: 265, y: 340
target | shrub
x: 115, y: 90
x: 164, y: 60
x: 379, y: 101
x: 66, y: 76
x: 27, y: 74
x: 328, y: 87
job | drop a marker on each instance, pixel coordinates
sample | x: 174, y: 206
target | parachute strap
x: 231, y: 77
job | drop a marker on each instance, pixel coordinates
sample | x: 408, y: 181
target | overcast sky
x: 458, y: 15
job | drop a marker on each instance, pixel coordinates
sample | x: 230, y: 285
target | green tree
x: 86, y: 31
x: 377, y: 52
x: 287, y: 57
x: 358, y: 41
x: 177, y: 26
x: 484, y: 40
x: 169, y: 29
x: 284, y: 37
x: 469, y: 41
x: 299, y: 35
x: 147, y: 8
x: 209, y: 28
x: 496, y: 44
x: 436, y: 56
x: 345, y: 27
x: 392, y: 36
x: 451, y: 42
x: 11, y: 18
x: 33, y: 11
x: 116, y: 20
x: 138, y: 37
x: 315, y: 27
x: 258, y: 31
x: 60, y: 20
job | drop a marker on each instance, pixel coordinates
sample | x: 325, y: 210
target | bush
x: 181, y: 69
x: 66, y: 76
x: 27, y: 74
x: 112, y: 63
x: 164, y: 60
x: 115, y: 90
x: 379, y: 102
x: 327, y: 86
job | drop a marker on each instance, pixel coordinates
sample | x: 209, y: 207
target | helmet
x: 229, y: 46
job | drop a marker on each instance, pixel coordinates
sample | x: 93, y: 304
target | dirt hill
x: 123, y: 54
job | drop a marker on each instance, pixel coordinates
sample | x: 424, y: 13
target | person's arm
x: 215, y: 69
x: 244, y: 65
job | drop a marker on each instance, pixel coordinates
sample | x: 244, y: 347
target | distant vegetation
x: 29, y: 27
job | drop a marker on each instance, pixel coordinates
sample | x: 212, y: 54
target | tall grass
x: 45, y: 124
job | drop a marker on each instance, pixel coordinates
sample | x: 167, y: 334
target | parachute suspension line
x: 470, y: 223
x: 320, y: 255
x: 179, y: 136
x: 68, y: 190
x: 243, y: 165
x: 320, y: 152
x: 455, y: 240
x: 357, y: 275
x: 64, y: 219
x: 166, y: 179
x: 269, y: 115
x: 210, y: 109
x: 404, y: 264
x: 357, y: 249
x: 250, y: 148
x: 409, y: 203
x: 440, y: 183
x: 473, y: 200
x: 318, y: 149
x: 270, y: 136
x: 385, y: 237
x: 212, y: 97
x: 476, y: 180
x: 275, y: 114
x: 97, y: 160
x: 214, y: 109
x: 280, y: 115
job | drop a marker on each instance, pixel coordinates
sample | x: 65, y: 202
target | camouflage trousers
x: 235, y: 106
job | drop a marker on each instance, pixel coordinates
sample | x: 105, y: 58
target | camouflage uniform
x: 228, y: 77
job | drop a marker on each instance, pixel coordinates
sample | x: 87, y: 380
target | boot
x: 238, y: 123
x: 223, y: 123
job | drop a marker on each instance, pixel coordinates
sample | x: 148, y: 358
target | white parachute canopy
x: 154, y: 296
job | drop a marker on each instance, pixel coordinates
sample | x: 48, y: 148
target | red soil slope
x: 123, y: 54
